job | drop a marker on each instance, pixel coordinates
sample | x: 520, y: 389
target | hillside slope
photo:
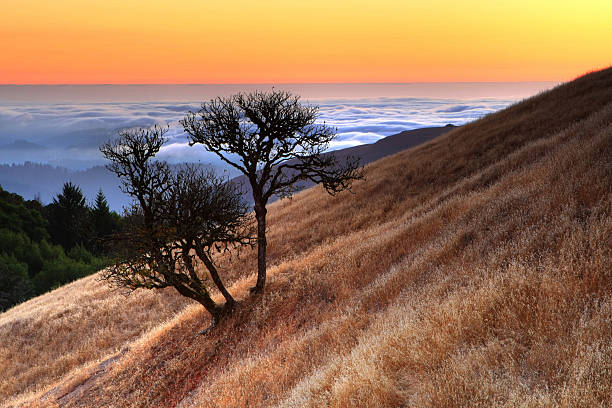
x: 471, y: 270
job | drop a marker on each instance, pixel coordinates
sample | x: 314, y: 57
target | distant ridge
x: 394, y: 143
x: 32, y: 180
x: 22, y: 145
x: 369, y: 153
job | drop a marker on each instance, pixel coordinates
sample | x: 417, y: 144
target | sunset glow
x: 274, y: 41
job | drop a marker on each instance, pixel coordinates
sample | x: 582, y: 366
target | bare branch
x: 274, y: 140
x: 176, y: 220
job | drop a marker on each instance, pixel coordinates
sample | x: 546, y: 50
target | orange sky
x: 283, y: 41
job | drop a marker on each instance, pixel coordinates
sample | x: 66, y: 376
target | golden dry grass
x: 473, y: 270
x: 47, y: 337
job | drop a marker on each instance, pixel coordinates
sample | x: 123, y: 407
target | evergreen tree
x: 101, y: 216
x: 68, y: 216
x: 105, y: 222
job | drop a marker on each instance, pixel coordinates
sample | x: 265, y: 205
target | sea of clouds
x: 69, y: 134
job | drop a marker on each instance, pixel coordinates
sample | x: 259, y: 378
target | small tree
x: 101, y: 216
x: 68, y: 215
x: 105, y: 222
x: 272, y: 138
x: 178, y: 221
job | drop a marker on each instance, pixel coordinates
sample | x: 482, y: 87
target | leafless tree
x: 178, y: 220
x: 274, y: 140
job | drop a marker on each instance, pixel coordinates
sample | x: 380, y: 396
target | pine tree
x: 105, y: 222
x: 68, y: 215
x: 101, y: 216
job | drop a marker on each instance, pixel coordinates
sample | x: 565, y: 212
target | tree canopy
x: 69, y: 221
x: 29, y: 263
x: 178, y: 220
x: 276, y: 142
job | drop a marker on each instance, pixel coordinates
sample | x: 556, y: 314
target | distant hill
x: 367, y: 153
x: 32, y: 180
x: 393, y: 144
x: 22, y: 145
x: 35, y: 180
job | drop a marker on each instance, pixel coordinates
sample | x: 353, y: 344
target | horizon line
x: 276, y: 83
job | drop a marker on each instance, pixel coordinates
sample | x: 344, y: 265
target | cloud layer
x: 68, y: 134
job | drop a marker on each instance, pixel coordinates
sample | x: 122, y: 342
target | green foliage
x: 29, y: 263
x: 18, y: 215
x: 105, y: 222
x: 80, y: 254
x: 69, y: 218
x: 15, y: 285
x: 50, y: 251
x: 62, y: 270
x: 19, y: 245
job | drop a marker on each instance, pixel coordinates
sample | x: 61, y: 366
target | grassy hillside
x: 472, y: 270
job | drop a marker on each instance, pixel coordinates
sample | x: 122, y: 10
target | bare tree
x: 274, y: 140
x: 178, y: 220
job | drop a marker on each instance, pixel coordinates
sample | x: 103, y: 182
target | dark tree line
x: 72, y: 222
x: 44, y: 247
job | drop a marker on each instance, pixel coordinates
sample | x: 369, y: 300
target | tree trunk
x: 229, y: 300
x: 202, y: 298
x: 260, y: 215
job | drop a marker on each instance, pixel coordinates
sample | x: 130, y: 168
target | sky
x: 300, y: 41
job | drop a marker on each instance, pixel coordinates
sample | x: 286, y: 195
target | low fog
x: 68, y: 135
x: 50, y: 134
